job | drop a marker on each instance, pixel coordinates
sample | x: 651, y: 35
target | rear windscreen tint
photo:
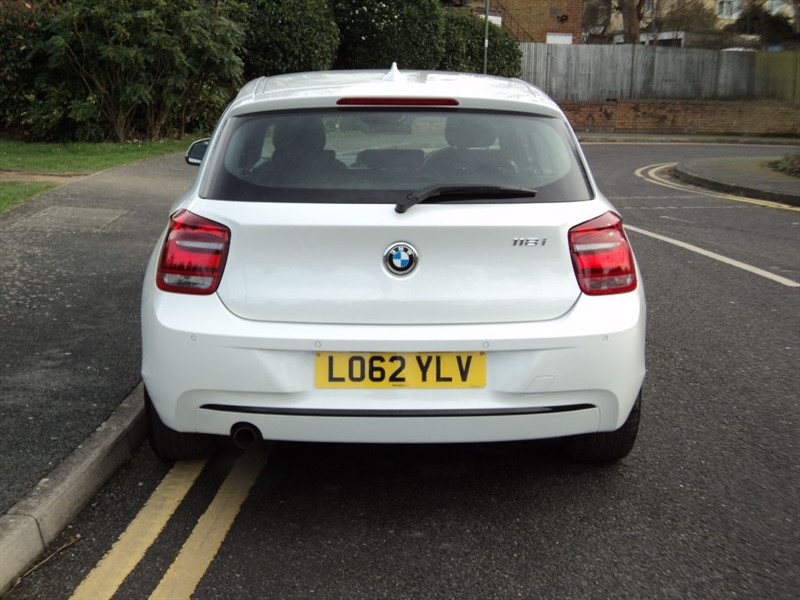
x: 379, y: 156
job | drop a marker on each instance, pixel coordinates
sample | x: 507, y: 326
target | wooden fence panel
x: 602, y: 72
x: 643, y: 74
x: 778, y: 75
x: 736, y: 77
x: 534, y: 64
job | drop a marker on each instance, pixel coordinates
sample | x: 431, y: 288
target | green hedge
x: 22, y: 61
x: 464, y: 35
x: 376, y: 33
x: 285, y: 36
x: 95, y: 70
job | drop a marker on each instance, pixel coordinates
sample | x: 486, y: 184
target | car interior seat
x: 300, y: 152
x: 469, y: 156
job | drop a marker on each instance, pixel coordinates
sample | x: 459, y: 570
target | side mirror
x: 196, y: 152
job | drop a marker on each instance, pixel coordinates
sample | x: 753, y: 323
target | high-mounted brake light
x: 193, y: 256
x: 602, y: 256
x: 380, y: 101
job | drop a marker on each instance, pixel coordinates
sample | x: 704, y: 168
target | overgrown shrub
x: 118, y: 69
x: 289, y: 36
x: 789, y: 164
x: 21, y: 36
x: 126, y: 69
x: 464, y: 35
x: 375, y: 33
x: 147, y: 66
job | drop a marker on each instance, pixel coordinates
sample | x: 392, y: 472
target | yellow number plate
x: 400, y: 370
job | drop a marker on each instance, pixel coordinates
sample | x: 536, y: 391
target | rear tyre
x: 607, y: 445
x: 171, y: 445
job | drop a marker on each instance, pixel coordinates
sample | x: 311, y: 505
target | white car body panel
x: 312, y: 90
x: 217, y: 358
x: 303, y: 278
x: 322, y: 263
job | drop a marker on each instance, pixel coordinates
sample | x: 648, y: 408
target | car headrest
x: 299, y: 135
x: 469, y: 132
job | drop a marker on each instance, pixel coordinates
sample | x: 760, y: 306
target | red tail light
x: 193, y: 256
x: 602, y: 256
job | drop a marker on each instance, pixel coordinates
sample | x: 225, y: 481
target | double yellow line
x: 200, y: 548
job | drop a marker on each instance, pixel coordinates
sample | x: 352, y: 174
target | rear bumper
x: 206, y: 369
x: 395, y: 428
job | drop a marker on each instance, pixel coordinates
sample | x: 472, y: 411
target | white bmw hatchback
x: 392, y: 257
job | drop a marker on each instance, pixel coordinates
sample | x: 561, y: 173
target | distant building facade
x: 542, y: 21
x: 726, y: 11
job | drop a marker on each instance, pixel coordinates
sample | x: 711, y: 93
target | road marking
x: 674, y: 219
x: 646, y: 142
x: 196, y: 555
x: 684, y: 207
x: 650, y: 174
x: 687, y: 197
x: 715, y: 256
x: 129, y: 549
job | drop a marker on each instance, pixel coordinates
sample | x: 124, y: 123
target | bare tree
x: 632, y: 14
x: 597, y: 16
x: 686, y: 14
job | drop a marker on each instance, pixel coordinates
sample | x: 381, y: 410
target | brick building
x: 551, y: 21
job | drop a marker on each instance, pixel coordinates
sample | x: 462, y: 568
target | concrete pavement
x: 71, y: 266
x: 71, y: 259
x: 742, y: 177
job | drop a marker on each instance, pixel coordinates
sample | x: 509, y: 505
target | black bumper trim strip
x: 322, y: 412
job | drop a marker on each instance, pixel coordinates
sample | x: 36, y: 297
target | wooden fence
x: 597, y: 73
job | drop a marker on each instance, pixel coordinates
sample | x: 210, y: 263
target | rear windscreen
x: 380, y: 156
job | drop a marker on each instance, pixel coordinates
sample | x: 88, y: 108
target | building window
x: 729, y: 9
x: 559, y: 38
x: 774, y: 6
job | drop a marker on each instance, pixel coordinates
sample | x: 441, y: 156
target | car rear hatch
x: 314, y: 200
x: 325, y: 263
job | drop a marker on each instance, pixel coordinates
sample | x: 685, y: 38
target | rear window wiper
x: 457, y: 193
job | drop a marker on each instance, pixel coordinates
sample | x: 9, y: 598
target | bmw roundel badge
x: 400, y: 258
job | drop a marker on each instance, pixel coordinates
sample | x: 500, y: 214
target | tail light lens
x: 193, y: 256
x: 602, y: 256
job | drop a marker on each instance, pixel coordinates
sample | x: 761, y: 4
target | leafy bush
x: 120, y: 69
x: 209, y: 69
x: 375, y: 33
x: 21, y: 34
x: 464, y: 36
x: 286, y: 36
x: 131, y: 69
x: 146, y: 66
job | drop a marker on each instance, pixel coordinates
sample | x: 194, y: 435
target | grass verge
x: 14, y: 192
x: 82, y: 158
x: 35, y: 157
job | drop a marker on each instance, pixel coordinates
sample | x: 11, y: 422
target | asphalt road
x: 704, y: 507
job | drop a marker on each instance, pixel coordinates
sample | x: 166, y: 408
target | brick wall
x: 685, y: 117
x: 540, y: 18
